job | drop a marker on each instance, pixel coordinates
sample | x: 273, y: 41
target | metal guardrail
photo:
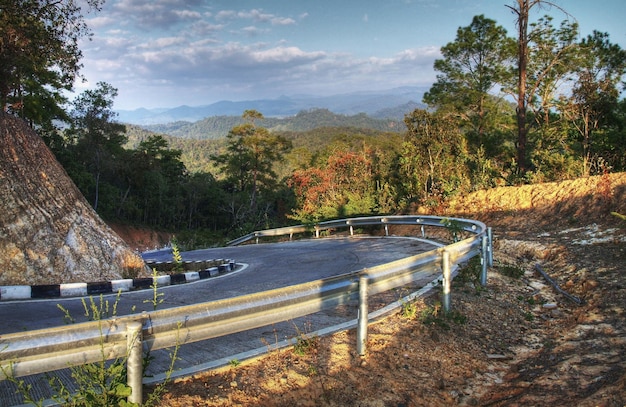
x: 45, y: 350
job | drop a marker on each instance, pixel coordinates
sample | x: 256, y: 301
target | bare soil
x: 516, y: 342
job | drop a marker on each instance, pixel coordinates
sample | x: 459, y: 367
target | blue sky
x: 166, y: 53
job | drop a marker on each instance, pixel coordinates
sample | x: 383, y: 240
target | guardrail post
x: 361, y: 334
x: 490, y: 234
x: 351, y: 231
x: 447, y: 277
x: 484, y: 259
x: 134, y: 362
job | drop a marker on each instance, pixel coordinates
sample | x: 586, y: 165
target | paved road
x: 263, y: 267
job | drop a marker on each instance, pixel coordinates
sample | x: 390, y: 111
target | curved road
x: 262, y: 267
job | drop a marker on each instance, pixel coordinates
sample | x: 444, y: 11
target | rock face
x: 49, y: 234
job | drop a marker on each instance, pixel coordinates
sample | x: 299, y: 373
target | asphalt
x: 259, y: 267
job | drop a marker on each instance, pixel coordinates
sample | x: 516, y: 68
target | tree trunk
x: 48, y: 232
x: 522, y: 64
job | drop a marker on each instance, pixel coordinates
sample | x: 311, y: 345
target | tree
x: 595, y: 94
x: 473, y: 66
x: 39, y: 55
x: 522, y: 9
x: 97, y: 137
x: 433, y: 157
x: 248, y: 167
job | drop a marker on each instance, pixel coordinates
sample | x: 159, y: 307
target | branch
x: 556, y: 286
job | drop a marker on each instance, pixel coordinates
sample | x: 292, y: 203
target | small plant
x: 408, y: 309
x: 305, y: 342
x: 132, y: 265
x: 156, y: 299
x: 454, y: 227
x: 470, y: 273
x: 234, y: 363
x: 102, y: 383
x: 510, y: 270
x: 176, y: 257
x: 433, y: 315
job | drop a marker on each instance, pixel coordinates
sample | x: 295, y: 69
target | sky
x: 167, y: 53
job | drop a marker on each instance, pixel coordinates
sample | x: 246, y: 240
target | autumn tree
x: 343, y: 186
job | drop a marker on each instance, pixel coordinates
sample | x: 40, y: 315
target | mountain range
x: 388, y: 104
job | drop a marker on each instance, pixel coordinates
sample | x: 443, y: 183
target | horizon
x: 173, y: 52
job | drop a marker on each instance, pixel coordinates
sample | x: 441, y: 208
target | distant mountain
x: 215, y: 127
x: 389, y: 104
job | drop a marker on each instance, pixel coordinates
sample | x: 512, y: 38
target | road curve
x: 261, y: 267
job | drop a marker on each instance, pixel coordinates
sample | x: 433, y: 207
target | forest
x: 540, y: 105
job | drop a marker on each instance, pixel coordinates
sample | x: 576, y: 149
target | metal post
x: 351, y: 231
x: 445, y: 266
x: 484, y: 259
x: 361, y: 335
x: 490, y: 234
x: 134, y: 363
x: 386, y: 230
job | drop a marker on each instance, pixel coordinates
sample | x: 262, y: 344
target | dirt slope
x: 516, y: 343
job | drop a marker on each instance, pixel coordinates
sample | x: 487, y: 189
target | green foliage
x: 408, y: 309
x: 40, y: 55
x: 470, y: 273
x: 156, y: 299
x: 305, y: 341
x: 510, y: 270
x: 434, y: 315
x: 454, y: 227
x: 176, y: 256
x: 217, y: 127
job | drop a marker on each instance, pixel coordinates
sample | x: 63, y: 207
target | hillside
x: 502, y: 347
x: 215, y: 127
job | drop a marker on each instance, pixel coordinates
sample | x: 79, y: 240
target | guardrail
x: 45, y: 350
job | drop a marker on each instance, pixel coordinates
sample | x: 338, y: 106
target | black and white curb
x: 25, y: 292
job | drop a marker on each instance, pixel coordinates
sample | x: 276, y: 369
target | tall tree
x: 433, y: 157
x: 595, y: 94
x: 39, y: 54
x: 476, y: 63
x: 98, y: 137
x: 522, y: 9
x: 248, y: 166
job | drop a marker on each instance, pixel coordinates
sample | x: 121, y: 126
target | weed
x: 177, y: 257
x: 434, y: 315
x: 305, y: 342
x: 454, y: 227
x: 510, y: 270
x: 470, y: 273
x: 408, y: 309
x: 102, y: 383
x: 156, y: 299
x: 234, y: 363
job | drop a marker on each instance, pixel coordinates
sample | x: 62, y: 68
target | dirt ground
x: 517, y: 342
